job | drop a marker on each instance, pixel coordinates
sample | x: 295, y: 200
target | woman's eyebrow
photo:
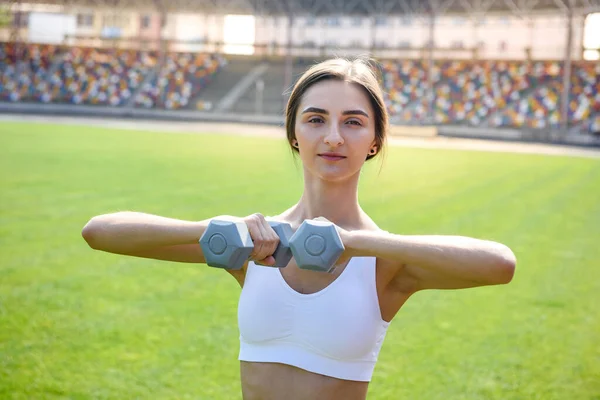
x: 354, y: 112
x: 315, y: 110
x: 323, y: 111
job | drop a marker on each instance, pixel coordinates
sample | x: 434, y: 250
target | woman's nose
x: 333, y: 137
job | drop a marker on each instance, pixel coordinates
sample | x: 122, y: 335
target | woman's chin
x: 335, y: 175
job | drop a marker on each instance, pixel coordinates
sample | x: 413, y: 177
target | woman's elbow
x: 506, y: 266
x: 91, y: 232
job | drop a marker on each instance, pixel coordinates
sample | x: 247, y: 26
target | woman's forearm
x: 457, y: 256
x: 131, y: 231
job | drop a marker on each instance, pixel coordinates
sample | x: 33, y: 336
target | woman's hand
x: 265, y: 239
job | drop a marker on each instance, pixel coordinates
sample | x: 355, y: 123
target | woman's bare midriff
x: 272, y: 381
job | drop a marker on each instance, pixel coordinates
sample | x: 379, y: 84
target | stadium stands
x: 473, y: 93
x: 109, y: 77
x: 585, y: 95
x: 405, y: 83
x: 470, y: 91
x: 24, y: 81
x: 542, y: 107
x: 492, y: 93
x: 180, y: 78
x: 98, y: 76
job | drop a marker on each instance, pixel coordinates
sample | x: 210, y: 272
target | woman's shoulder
x: 368, y: 224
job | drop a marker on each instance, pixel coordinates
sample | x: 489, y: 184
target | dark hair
x: 358, y: 71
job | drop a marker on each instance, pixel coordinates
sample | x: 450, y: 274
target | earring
x: 372, y: 151
x: 295, y: 143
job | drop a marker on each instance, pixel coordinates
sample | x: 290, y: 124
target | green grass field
x: 81, y: 324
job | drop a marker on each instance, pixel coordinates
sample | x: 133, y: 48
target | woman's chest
x: 341, y: 320
x: 308, y: 282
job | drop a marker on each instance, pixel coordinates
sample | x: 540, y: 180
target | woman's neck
x: 338, y: 202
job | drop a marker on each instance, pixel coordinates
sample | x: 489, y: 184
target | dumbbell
x: 316, y: 246
x: 227, y: 244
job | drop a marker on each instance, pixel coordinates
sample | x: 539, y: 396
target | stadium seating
x: 405, y: 83
x: 466, y: 92
x: 98, y: 76
x: 469, y: 92
x: 109, y: 77
x: 180, y: 78
x: 496, y: 93
x: 542, y: 108
x: 585, y: 93
x: 21, y: 81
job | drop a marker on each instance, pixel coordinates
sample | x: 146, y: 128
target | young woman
x: 305, y: 334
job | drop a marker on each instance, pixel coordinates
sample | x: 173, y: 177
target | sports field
x: 81, y: 324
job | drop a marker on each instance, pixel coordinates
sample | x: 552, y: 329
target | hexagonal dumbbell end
x: 283, y: 253
x: 316, y: 246
x: 226, y: 244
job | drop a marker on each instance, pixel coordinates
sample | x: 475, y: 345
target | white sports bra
x: 337, y: 331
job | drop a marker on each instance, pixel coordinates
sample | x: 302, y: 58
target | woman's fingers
x: 254, y: 228
x: 269, y: 261
x: 265, y: 239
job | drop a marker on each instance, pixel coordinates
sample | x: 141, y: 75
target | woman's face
x: 335, y: 129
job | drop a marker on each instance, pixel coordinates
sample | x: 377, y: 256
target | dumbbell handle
x: 218, y: 242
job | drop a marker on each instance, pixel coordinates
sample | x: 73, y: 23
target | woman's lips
x: 332, y: 156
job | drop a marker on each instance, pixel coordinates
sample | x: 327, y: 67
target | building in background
x: 494, y: 35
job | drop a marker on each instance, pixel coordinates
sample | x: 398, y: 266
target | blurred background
x: 91, y: 92
x: 508, y: 69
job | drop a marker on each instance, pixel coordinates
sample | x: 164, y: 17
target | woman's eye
x: 354, y: 122
x: 315, y: 120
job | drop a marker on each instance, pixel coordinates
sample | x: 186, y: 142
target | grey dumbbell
x: 316, y: 246
x: 227, y: 244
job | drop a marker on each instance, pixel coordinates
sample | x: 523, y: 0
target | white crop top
x: 337, y: 331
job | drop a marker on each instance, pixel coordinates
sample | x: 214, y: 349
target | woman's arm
x: 437, y: 262
x: 152, y: 236
x: 146, y: 235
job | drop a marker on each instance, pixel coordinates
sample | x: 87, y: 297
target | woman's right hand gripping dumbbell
x: 264, y: 238
x: 229, y: 243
